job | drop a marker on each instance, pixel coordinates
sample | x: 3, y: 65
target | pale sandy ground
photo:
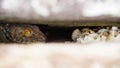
x: 60, y: 55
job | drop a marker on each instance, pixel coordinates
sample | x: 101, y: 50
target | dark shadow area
x: 57, y: 34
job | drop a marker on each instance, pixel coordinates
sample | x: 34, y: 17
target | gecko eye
x: 27, y: 32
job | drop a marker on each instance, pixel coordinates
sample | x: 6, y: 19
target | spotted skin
x: 22, y: 33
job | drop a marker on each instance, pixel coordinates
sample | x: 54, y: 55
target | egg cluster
x: 87, y: 35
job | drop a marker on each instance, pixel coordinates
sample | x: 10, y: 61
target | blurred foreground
x: 60, y: 55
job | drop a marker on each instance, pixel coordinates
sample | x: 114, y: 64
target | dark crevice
x: 60, y: 33
x: 57, y: 34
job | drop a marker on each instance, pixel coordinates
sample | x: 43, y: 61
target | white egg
x: 76, y: 33
x: 114, y: 34
x: 114, y: 28
x: 102, y: 30
x: 88, y: 38
x: 103, y: 35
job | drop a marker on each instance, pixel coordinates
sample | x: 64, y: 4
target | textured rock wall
x: 60, y: 55
x: 59, y: 10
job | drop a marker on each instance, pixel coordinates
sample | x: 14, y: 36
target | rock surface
x: 60, y: 55
x: 72, y: 11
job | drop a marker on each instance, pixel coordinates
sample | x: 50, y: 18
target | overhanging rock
x: 61, y: 12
